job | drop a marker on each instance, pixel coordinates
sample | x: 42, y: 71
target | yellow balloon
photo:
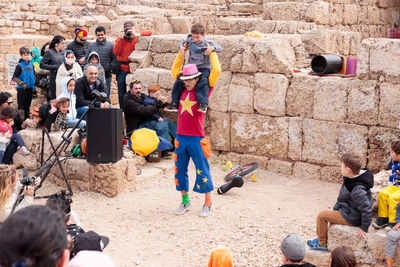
x: 144, y: 141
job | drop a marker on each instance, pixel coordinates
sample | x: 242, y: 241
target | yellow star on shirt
x: 198, y: 186
x: 205, y: 180
x: 199, y: 172
x: 187, y: 105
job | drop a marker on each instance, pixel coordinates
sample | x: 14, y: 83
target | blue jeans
x: 72, y: 122
x: 108, y: 86
x: 164, y: 128
x: 18, y: 139
x: 121, y: 83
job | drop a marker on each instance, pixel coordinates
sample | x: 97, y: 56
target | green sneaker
x: 182, y: 208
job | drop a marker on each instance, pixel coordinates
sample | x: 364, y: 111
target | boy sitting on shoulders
x: 354, y: 203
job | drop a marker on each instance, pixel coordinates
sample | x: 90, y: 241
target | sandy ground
x: 251, y: 220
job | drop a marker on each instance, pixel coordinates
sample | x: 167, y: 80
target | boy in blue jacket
x: 24, y: 76
x: 354, y: 203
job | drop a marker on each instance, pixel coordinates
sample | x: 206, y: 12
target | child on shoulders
x: 199, y: 54
x: 389, y: 197
x: 354, y: 203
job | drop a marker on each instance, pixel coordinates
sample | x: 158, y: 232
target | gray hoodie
x: 102, y: 76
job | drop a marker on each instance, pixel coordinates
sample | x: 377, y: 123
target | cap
x: 293, y: 247
x: 90, y: 241
x: 190, y: 71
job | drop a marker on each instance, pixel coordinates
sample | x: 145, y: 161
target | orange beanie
x: 220, y: 257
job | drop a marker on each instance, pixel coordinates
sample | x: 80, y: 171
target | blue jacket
x: 149, y: 101
x: 26, y: 73
x: 395, y: 168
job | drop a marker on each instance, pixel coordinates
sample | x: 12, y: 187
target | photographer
x: 123, y: 48
x: 10, y: 187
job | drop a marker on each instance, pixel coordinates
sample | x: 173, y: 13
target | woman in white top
x: 70, y: 68
x: 10, y: 188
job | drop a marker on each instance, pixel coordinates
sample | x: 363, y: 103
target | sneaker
x: 172, y: 107
x: 166, y: 155
x: 34, y: 94
x: 24, y: 150
x: 182, y: 208
x: 380, y: 222
x: 202, y: 108
x: 205, y: 210
x: 390, y: 226
x: 315, y: 245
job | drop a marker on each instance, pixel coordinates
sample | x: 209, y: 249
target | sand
x: 251, y: 221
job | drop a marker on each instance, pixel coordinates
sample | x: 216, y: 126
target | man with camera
x: 84, y: 91
x: 123, y: 47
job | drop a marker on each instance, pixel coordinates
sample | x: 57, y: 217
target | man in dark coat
x: 79, y: 46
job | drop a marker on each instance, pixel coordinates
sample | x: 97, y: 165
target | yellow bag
x: 144, y: 141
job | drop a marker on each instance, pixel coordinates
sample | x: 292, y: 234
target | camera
x: 128, y: 34
x: 26, y: 181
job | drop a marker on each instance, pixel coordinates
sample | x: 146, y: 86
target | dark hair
x: 34, y: 236
x: 4, y: 96
x: 61, y: 101
x: 100, y: 29
x: 395, y: 146
x: 43, y: 48
x: 61, y: 204
x: 343, y: 257
x: 8, y: 113
x: 134, y: 82
x: 352, y: 161
x: 198, y: 28
x: 57, y: 39
x: 23, y: 50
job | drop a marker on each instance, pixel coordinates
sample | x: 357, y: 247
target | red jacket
x: 5, y: 127
x: 123, y: 48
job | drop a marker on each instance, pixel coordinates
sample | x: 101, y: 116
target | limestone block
x: 219, y: 136
x: 262, y: 161
x: 331, y: 174
x: 142, y: 58
x: 362, y: 106
x: 307, y: 170
x: 376, y: 243
x: 284, y: 10
x: 229, y: 26
x: 363, y: 58
x: 165, y: 79
x: 330, y: 99
x: 270, y: 94
x: 382, y: 52
x: 77, y: 185
x: 387, y: 113
x: 163, y: 60
x: 249, y: 64
x: 336, y: 14
x: 241, y: 94
x: 61, y: 27
x: 265, y: 26
x: 146, y: 76
x: 219, y: 97
x: 380, y: 139
x: 332, y: 140
x: 131, y: 171
x: 373, y: 15
x: 32, y: 139
x: 78, y: 169
x: 318, y: 12
x: 295, y: 138
x: 275, y: 56
x: 299, y: 94
x: 89, y: 21
x: 167, y: 43
x: 318, y: 258
x: 29, y: 162
x: 72, y: 22
x: 52, y: 19
x: 350, y: 14
x: 280, y: 166
x: 319, y: 37
x: 181, y: 24
x: 111, y: 14
x: 381, y: 178
x: 259, y: 135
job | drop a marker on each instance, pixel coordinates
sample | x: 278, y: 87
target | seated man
x: 135, y: 110
x: 83, y: 91
x: 164, y: 128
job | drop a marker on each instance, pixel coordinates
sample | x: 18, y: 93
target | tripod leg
x: 42, y: 148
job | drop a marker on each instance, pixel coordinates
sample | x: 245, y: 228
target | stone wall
x: 291, y: 123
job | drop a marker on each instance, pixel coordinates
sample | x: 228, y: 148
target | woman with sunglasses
x: 10, y: 188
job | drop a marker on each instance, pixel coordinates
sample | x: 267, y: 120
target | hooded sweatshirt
x: 102, y: 76
x: 75, y: 72
x: 72, y: 98
x: 36, y: 57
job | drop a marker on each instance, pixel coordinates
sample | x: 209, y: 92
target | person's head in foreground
x: 293, y: 249
x: 220, y: 257
x: 34, y: 236
x: 343, y: 257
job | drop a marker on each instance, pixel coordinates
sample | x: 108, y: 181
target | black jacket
x: 355, y: 200
x: 52, y: 60
x: 136, y: 112
x: 78, y: 49
x: 83, y: 92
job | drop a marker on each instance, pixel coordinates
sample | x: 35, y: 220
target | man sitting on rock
x: 135, y: 111
x: 293, y: 251
x: 83, y: 91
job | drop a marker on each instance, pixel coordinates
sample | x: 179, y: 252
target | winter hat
x: 293, y: 247
x: 189, y: 72
x: 80, y: 32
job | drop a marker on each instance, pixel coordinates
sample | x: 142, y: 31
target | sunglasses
x: 10, y: 102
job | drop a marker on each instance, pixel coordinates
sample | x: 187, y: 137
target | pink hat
x: 190, y: 71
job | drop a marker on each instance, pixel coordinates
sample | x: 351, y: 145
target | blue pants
x: 121, y: 83
x: 164, y: 128
x: 202, y: 88
x: 72, y: 122
x: 17, y: 138
x: 108, y: 86
x: 187, y: 147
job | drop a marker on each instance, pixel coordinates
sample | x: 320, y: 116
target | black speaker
x: 104, y: 135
